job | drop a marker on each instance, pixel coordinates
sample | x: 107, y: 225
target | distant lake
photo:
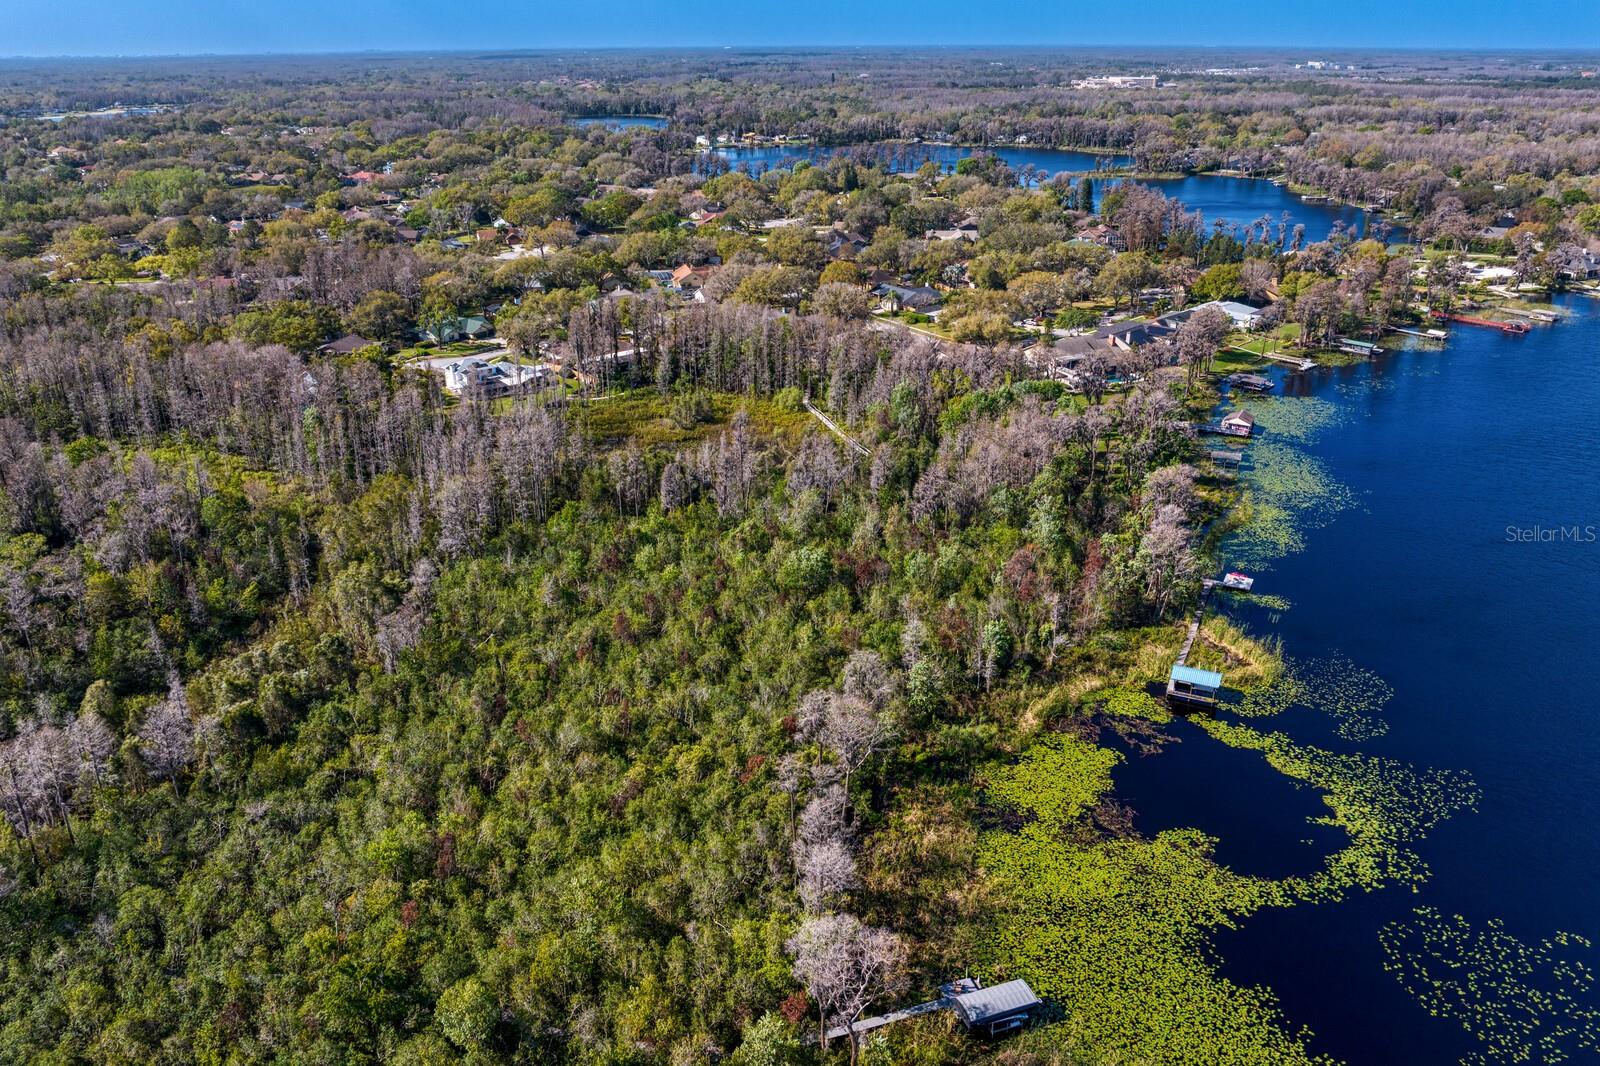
x: 108, y: 112
x: 1232, y: 201
x: 912, y: 156
x: 624, y: 122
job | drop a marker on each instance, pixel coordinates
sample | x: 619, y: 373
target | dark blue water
x: 1242, y: 201
x: 624, y: 122
x: 1193, y: 782
x: 1229, y: 200
x: 1491, y: 644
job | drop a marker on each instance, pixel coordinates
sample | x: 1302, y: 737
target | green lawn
x: 425, y: 351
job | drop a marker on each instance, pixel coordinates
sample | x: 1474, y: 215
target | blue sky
x: 128, y: 27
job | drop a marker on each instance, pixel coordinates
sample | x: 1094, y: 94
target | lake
x: 624, y: 122
x: 910, y: 156
x: 1230, y: 200
x: 1461, y: 567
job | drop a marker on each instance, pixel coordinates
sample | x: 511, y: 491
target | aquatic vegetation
x: 1057, y: 778
x: 1522, y: 1002
x: 1299, y: 418
x: 1274, y: 697
x: 1383, y: 804
x: 1277, y: 604
x: 1288, y: 492
x: 1114, y: 930
x: 1134, y: 702
x: 1351, y: 694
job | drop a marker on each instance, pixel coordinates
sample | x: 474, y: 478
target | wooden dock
x: 1251, y: 382
x: 867, y: 1025
x: 1427, y: 335
x: 1295, y: 361
x: 1207, y: 586
x: 1547, y: 317
x: 1194, y: 625
x: 1277, y: 357
x: 1351, y: 346
x: 992, y: 1011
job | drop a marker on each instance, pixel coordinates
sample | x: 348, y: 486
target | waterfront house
x: 1243, y: 315
x: 1104, y: 236
x: 1238, y: 424
x: 1130, y: 335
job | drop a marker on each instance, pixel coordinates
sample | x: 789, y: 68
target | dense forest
x: 759, y: 668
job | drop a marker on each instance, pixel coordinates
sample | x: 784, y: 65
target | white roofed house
x: 479, y: 377
x: 1243, y: 316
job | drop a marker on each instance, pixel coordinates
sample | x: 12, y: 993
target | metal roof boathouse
x: 1187, y: 684
x: 987, y: 1011
x: 997, y: 1010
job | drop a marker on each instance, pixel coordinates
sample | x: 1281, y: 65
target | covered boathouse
x: 1186, y: 684
x: 996, y: 1010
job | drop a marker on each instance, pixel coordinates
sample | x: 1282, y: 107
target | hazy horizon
x: 175, y: 28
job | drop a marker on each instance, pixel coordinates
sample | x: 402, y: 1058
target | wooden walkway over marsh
x: 867, y: 1025
x: 833, y: 427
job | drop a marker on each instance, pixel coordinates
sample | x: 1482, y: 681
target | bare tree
x: 845, y: 965
x: 824, y: 870
x: 1168, y: 559
x: 854, y: 730
x: 1198, y: 338
x: 823, y: 857
x: 818, y: 467
x: 167, y: 735
x: 18, y: 799
x: 675, y: 486
x: 867, y: 677
x: 630, y: 479
x: 1173, y: 486
x: 90, y: 742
